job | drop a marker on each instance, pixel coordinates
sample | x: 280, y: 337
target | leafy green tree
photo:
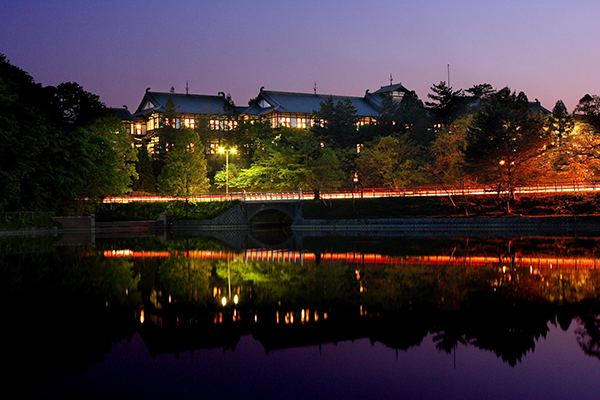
x: 390, y: 161
x: 114, y: 164
x: 297, y: 160
x: 505, y: 142
x: 253, y: 139
x: 184, y: 173
x: 448, y: 153
x: 221, y: 178
x: 23, y: 137
x: 48, y: 153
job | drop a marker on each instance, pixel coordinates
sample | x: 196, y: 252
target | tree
x: 481, y: 91
x: 184, y: 173
x: 145, y: 181
x: 560, y: 127
x: 447, y: 154
x: 579, y: 155
x: 389, y: 161
x: 252, y: 139
x: 589, y: 105
x: 114, y: 163
x: 505, y: 142
x: 71, y: 106
x: 167, y: 133
x: 227, y: 173
x: 405, y: 116
x: 443, y: 96
x: 297, y: 160
x: 335, y: 123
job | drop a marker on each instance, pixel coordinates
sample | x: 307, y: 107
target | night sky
x: 117, y: 49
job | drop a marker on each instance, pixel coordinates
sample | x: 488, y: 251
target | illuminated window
x: 286, y: 122
x: 215, y: 124
x: 189, y: 123
x: 301, y: 123
x: 231, y: 125
x: 213, y: 148
x: 138, y: 129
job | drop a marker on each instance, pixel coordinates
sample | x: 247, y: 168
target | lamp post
x: 227, y: 151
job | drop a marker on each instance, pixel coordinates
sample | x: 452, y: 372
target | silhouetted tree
x: 336, y: 123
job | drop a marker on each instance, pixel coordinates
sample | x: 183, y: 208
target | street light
x: 227, y: 151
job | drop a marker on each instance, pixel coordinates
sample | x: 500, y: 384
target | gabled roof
x: 186, y: 103
x: 397, y: 87
x: 122, y: 114
x: 536, y: 107
x: 303, y: 103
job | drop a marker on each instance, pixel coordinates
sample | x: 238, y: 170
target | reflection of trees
x: 292, y: 284
x: 75, y: 304
x: 588, y: 334
x: 184, y: 280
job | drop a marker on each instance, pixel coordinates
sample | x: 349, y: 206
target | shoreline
x: 469, y: 226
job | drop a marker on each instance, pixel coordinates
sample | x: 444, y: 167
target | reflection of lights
x: 142, y: 316
x: 224, y: 301
x: 235, y: 299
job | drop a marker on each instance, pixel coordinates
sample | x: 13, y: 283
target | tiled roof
x: 122, y: 113
x: 304, y: 103
x: 186, y: 103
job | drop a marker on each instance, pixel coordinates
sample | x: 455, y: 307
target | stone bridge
x: 250, y: 214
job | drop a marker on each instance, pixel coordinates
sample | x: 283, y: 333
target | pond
x: 312, y: 317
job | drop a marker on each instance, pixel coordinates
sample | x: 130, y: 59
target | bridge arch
x: 272, y: 212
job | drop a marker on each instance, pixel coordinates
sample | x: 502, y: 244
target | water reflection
x: 191, y: 293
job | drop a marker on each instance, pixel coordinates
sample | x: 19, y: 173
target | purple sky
x: 117, y: 49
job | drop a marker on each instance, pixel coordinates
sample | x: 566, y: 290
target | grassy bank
x: 442, y: 207
x: 142, y: 211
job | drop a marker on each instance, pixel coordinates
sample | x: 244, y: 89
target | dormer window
x: 148, y: 105
x: 264, y: 104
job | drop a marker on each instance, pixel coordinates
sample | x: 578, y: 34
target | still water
x: 325, y: 317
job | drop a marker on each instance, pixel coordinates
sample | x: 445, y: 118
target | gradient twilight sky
x: 117, y: 48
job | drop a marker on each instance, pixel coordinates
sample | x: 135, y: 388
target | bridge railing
x: 414, y: 191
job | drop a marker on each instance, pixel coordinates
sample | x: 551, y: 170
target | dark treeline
x: 59, y: 144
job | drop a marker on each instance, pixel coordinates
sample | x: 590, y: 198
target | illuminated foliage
x: 390, y: 161
x: 184, y: 173
x: 505, y: 142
